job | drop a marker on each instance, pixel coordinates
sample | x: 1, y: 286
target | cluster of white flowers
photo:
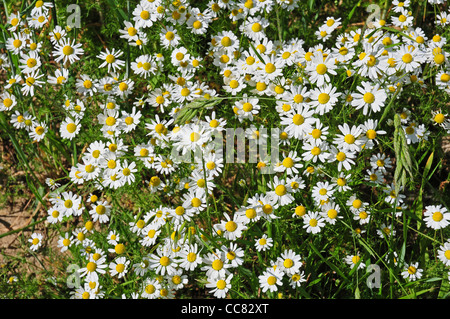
x: 301, y: 87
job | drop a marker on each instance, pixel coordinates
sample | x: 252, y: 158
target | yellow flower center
x: 191, y: 257
x: 439, y: 58
x: 119, y: 249
x: 234, y: 84
x: 298, y: 119
x: 349, y: 139
x: 280, y: 190
x: 197, y: 24
x: 217, y: 264
x: 412, y: 270
x: 145, y: 15
x: 316, y: 150
x: 71, y: 127
x: 226, y: 41
x: 110, y: 58
x: 357, y: 203
x: 321, y: 69
x: 91, y: 266
x: 288, y: 263
x: 270, y: 68
x: 332, y: 213
x: 323, y: 98
x: 369, y: 97
x: 179, y: 210
x: 231, y: 226
x: 271, y: 280
x: 407, y: 58
x: 68, y: 50
x: 256, y: 27
x: 437, y: 216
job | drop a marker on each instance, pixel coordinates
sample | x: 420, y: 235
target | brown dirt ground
x: 18, y: 206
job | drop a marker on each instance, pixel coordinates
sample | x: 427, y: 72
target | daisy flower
x: 320, y: 68
x: 290, y: 164
x: 369, y: 128
x: 192, y: 137
x: 315, y: 151
x: 162, y: 261
x: 143, y: 15
x: 30, y: 62
x: 409, y: 58
x: 263, y: 243
x: 219, y: 286
x: 110, y: 59
x: 178, y: 280
x: 404, y: 20
x: 69, y: 128
x: 119, y: 267
x: 280, y: 191
x: 86, y: 85
x: 412, y: 271
x: 234, y: 85
x: 195, y: 200
x: 374, y: 176
x: 270, y: 279
x: 353, y: 260
x: 61, y: 77
x: 298, y: 122
x: 124, y: 88
x: 15, y: 21
x: 65, y: 242
x: 324, y: 98
x: 370, y: 98
x: 32, y: 81
x: 197, y: 22
x: 215, y: 265
x: 100, y: 211
x: 322, y: 191
x: 444, y: 253
x: 151, y: 288
x: 253, y: 27
x: 234, y: 254
x: 130, y: 120
x: 313, y: 222
x: 169, y: 37
x: 270, y: 69
x: 385, y: 231
x: 189, y: 257
x: 36, y: 241
x: 330, y: 212
x: 393, y: 197
x: 231, y: 228
x: 150, y: 234
x: 381, y: 162
x: 289, y: 262
x: 96, y: 265
x: 436, y: 216
x: 349, y: 139
x: 16, y: 43
x: 247, y: 108
x: 7, y: 101
x: 67, y: 51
